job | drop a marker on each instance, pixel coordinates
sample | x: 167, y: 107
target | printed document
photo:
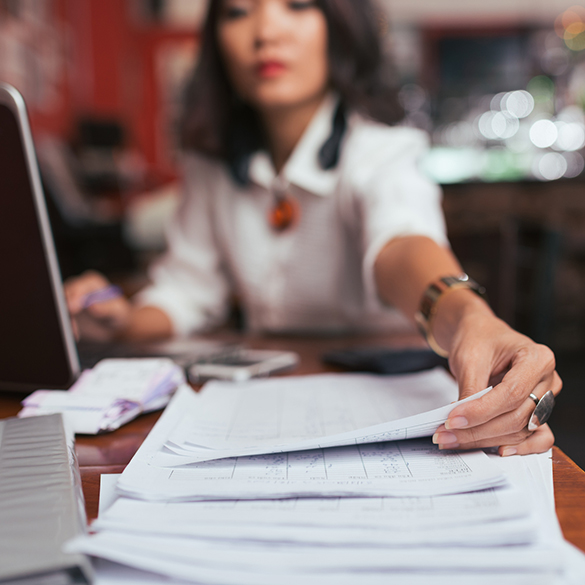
x: 389, y: 468
x: 308, y: 412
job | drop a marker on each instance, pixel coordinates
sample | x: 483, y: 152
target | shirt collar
x: 302, y: 168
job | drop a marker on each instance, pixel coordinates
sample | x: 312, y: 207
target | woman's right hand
x: 99, y: 320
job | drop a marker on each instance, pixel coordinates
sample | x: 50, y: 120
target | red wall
x: 111, y: 73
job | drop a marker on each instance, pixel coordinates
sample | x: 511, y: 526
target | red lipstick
x: 269, y: 69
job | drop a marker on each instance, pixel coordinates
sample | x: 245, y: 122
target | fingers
x: 523, y: 443
x: 112, y: 309
x: 77, y: 289
x: 470, y: 379
x: 506, y: 429
x: 485, y: 351
x: 531, y: 370
x: 509, y: 427
x: 500, y: 418
x: 102, y: 319
x: 541, y: 440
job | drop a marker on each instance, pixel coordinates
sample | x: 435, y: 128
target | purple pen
x: 103, y: 294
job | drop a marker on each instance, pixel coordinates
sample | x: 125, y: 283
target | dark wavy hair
x: 217, y: 123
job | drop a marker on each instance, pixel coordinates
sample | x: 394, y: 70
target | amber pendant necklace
x: 285, y: 211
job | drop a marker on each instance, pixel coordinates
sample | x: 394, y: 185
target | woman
x: 303, y: 201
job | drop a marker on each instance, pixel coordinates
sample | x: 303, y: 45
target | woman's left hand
x: 484, y: 352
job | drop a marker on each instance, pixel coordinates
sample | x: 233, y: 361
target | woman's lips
x: 268, y: 69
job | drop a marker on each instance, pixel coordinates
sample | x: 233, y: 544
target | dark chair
x: 517, y: 264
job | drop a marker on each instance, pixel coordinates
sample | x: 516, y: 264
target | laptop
x: 38, y: 348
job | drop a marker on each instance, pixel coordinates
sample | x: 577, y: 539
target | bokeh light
x: 550, y: 166
x: 504, y: 125
x: 484, y: 124
x: 571, y: 136
x: 452, y: 165
x: 555, y: 60
x: 537, y: 131
x: 458, y: 134
x: 575, y: 164
x: 543, y: 133
x: 412, y: 97
x: 518, y: 103
x: 542, y: 89
x: 497, y: 125
x: 572, y: 114
x: 496, y: 101
x: 570, y: 26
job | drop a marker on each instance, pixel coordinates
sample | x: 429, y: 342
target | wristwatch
x: 428, y: 305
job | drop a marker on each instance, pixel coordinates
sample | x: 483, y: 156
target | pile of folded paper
x: 304, y: 480
x: 110, y: 394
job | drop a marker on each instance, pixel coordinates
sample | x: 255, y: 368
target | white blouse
x: 317, y: 275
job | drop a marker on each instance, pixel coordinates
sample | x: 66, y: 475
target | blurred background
x: 499, y: 86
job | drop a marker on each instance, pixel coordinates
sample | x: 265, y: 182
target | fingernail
x: 507, y: 451
x: 440, y: 438
x: 449, y: 446
x: 457, y: 422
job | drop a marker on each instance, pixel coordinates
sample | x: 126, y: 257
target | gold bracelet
x: 428, y: 305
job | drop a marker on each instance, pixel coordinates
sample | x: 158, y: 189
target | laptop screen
x: 36, y: 349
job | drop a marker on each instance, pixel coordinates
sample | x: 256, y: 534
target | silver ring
x: 542, y: 411
x: 534, y: 397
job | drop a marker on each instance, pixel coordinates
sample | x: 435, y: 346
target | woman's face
x: 275, y: 51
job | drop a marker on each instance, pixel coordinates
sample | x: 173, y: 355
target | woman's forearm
x: 407, y: 266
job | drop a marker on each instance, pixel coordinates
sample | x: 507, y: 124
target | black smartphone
x: 384, y: 360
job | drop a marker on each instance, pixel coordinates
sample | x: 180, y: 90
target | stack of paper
x: 110, y: 394
x: 429, y: 514
x: 344, y: 541
x: 274, y: 438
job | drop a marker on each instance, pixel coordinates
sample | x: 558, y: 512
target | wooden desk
x: 110, y: 453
